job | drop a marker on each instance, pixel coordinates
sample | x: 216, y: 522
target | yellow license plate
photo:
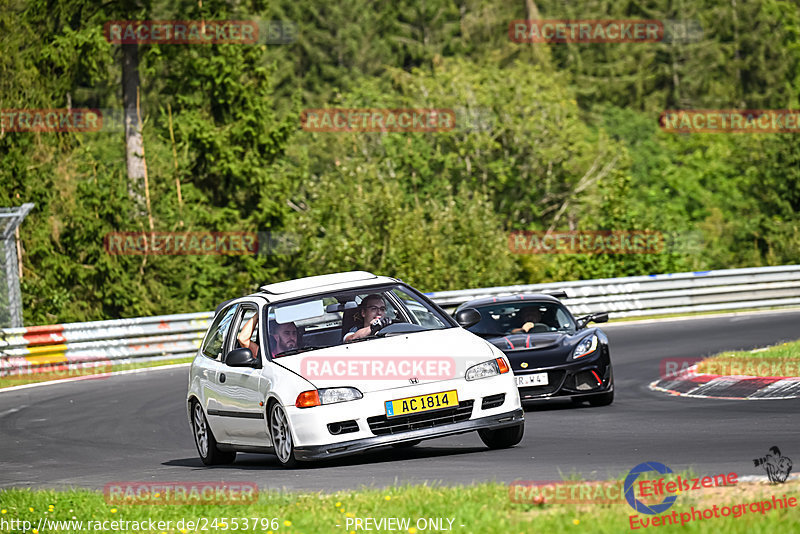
x: 422, y: 403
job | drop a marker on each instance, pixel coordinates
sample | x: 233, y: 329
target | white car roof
x: 302, y: 287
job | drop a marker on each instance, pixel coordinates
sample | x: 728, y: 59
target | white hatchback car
x: 352, y: 361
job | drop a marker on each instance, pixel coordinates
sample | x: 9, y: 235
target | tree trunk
x: 134, y: 142
x: 539, y: 51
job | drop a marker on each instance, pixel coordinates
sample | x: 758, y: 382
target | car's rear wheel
x: 406, y: 444
x: 503, y: 437
x: 205, y: 441
x: 281, y: 435
x: 603, y: 399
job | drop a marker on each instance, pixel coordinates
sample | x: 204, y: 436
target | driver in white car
x: 370, y: 317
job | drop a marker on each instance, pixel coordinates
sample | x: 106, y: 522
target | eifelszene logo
x: 638, y: 505
x: 663, y: 485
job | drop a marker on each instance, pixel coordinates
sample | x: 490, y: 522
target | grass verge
x: 777, y: 360
x: 483, y: 508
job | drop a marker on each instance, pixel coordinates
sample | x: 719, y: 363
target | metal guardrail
x: 758, y: 287
x: 28, y: 348
x: 173, y: 336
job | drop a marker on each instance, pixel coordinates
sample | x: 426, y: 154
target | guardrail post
x: 10, y: 294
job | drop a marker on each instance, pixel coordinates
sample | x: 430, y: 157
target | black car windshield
x: 529, y: 317
x: 331, y: 319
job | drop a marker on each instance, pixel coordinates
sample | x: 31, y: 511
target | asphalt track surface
x: 133, y: 427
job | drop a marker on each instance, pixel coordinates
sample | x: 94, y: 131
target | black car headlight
x: 585, y: 347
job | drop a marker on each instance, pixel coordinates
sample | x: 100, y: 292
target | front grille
x: 342, y: 427
x: 493, y: 402
x: 382, y: 425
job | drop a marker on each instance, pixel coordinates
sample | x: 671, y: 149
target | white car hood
x: 392, y: 362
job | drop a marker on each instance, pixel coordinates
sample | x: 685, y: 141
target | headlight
x: 486, y: 369
x: 334, y: 395
x: 316, y: 397
x: 586, y: 346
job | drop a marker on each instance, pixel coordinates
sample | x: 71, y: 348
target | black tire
x: 407, y: 444
x: 603, y: 399
x: 281, y: 434
x: 502, y: 438
x: 205, y: 441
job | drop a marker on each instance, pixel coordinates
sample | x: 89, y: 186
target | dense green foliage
x: 561, y: 136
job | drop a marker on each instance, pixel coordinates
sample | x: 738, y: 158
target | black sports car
x: 552, y: 353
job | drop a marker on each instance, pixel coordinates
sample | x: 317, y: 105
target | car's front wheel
x: 503, y: 437
x: 206, y: 442
x: 281, y: 435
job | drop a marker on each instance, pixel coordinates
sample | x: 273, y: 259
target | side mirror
x: 240, y: 357
x: 468, y: 317
x: 592, y: 318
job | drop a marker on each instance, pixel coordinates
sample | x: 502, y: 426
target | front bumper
x: 571, y: 380
x: 344, y: 448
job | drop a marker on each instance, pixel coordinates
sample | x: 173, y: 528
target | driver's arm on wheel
x: 358, y: 334
x: 368, y: 330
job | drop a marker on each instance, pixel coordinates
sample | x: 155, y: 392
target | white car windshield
x: 328, y: 319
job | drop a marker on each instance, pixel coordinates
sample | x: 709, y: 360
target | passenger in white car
x: 246, y: 333
x: 285, y: 336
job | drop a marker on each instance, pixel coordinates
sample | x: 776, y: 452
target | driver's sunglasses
x: 381, y: 309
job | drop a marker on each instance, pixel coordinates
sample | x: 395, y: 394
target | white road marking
x: 740, y: 315
x: 13, y: 410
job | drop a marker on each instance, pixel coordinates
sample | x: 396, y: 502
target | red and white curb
x: 690, y: 383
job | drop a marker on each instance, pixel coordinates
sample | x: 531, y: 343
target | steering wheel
x: 400, y: 327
